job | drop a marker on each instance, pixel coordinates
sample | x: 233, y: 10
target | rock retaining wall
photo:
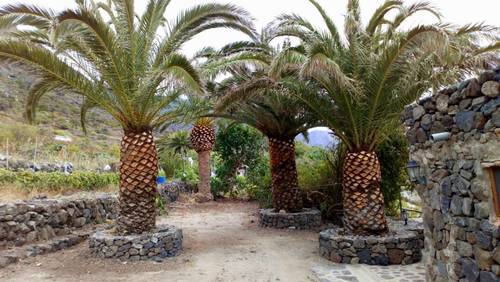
x: 462, y: 240
x: 308, y: 219
x: 37, y: 220
x: 402, y: 247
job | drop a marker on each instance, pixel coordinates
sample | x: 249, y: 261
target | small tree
x: 238, y: 145
x: 202, y: 141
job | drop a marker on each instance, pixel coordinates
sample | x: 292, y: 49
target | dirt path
x: 222, y: 242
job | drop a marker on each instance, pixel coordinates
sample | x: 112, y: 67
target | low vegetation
x: 57, y: 182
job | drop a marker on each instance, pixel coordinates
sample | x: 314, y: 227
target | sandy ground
x: 222, y: 242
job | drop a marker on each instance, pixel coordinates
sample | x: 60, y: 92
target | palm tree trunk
x: 362, y: 197
x: 138, y: 172
x: 285, y: 185
x: 204, y: 192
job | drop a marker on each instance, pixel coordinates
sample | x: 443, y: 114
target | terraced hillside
x: 57, y: 135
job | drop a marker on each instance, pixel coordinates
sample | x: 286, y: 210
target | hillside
x: 319, y: 137
x: 57, y: 135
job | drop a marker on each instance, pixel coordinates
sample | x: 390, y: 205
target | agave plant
x: 125, y: 64
x: 369, y: 76
x: 266, y: 101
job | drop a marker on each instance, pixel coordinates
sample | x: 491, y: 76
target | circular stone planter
x: 165, y: 241
x: 403, y: 246
x: 307, y: 219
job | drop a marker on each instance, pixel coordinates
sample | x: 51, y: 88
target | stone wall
x: 307, y: 219
x: 462, y: 237
x: 403, y: 245
x: 38, y: 220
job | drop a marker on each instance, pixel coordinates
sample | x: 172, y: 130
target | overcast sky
x: 454, y: 11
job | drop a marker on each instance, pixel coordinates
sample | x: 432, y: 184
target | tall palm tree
x: 264, y: 100
x: 202, y: 141
x: 368, y: 77
x: 124, y: 66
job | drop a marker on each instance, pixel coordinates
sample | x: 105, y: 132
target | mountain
x: 319, y: 137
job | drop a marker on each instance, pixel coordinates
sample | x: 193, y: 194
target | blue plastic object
x: 161, y: 180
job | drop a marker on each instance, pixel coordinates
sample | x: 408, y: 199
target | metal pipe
x: 441, y: 136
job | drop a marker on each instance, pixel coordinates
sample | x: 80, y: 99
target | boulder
x: 491, y: 89
x: 473, y: 89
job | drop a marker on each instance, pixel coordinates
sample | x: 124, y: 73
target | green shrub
x: 237, y: 145
x: 259, y: 179
x: 313, y: 166
x: 58, y: 181
x: 393, y: 156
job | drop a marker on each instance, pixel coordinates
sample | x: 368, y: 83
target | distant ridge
x: 319, y: 137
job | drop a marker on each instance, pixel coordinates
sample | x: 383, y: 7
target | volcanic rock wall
x: 462, y: 234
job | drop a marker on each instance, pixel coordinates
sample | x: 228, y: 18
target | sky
x: 458, y: 12
x: 454, y: 11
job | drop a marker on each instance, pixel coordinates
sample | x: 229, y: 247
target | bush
x: 313, y: 166
x: 259, y: 178
x: 58, y: 181
x: 237, y: 146
x: 393, y: 156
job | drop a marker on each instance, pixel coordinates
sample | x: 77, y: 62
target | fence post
x: 36, y: 147
x: 7, y: 152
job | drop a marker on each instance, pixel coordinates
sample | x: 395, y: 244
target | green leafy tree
x: 369, y: 76
x: 238, y: 146
x: 123, y: 64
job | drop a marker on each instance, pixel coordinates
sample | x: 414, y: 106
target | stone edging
x: 307, y: 219
x: 165, y: 242
x: 403, y: 247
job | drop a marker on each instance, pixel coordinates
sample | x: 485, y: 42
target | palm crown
x: 379, y: 68
x: 122, y: 65
x: 251, y: 94
x: 268, y: 101
x: 367, y: 78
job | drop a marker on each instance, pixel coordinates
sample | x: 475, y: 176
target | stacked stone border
x: 403, y: 247
x: 165, y: 241
x: 307, y: 219
x: 462, y: 234
x: 40, y: 220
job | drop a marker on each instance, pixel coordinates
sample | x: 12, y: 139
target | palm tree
x: 368, y: 77
x: 179, y: 143
x: 264, y: 100
x: 122, y: 65
x: 202, y: 141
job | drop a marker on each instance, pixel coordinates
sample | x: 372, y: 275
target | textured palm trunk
x: 138, y: 172
x: 285, y: 186
x: 362, y: 197
x: 204, y: 193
